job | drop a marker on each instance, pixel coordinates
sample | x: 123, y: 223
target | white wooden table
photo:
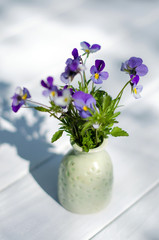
x: 35, y: 40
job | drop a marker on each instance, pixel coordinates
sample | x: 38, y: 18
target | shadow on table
x: 151, y: 236
x: 31, y: 145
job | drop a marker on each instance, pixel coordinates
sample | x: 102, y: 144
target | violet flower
x: 134, y: 66
x: 84, y: 101
x: 67, y: 75
x: 87, y: 48
x: 50, y: 88
x: 72, y: 68
x: 20, y: 98
x: 64, y: 97
x: 97, y: 75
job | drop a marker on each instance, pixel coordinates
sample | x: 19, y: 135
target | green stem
x: 36, y: 103
x: 86, y: 58
x: 84, y: 75
x: 40, y: 104
x: 82, y: 80
x: 92, y: 85
x: 85, y: 82
x: 117, y: 99
x: 96, y: 137
x: 53, y: 114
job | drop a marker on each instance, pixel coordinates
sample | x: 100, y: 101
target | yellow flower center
x: 135, y: 91
x: 96, y: 75
x: 87, y: 50
x: 24, y: 96
x: 53, y: 93
x: 65, y: 99
x: 85, y: 108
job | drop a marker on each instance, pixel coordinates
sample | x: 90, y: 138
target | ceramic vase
x: 85, y: 179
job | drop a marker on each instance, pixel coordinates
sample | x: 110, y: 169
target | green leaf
x: 89, y: 81
x: 56, y: 136
x: 117, y: 132
x: 41, y: 109
x: 85, y: 127
x: 106, y: 101
x: 115, y: 115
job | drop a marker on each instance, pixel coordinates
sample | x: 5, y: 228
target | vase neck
x: 97, y: 149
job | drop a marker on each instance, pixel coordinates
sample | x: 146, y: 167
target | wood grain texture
x: 139, y: 222
x: 26, y: 148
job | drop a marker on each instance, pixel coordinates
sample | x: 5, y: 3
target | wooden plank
x: 14, y: 167
x: 25, y: 143
x: 29, y: 208
x: 140, y: 222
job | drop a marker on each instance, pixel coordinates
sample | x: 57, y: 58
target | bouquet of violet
x: 87, y: 113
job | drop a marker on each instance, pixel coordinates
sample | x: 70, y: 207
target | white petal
x: 19, y: 91
x: 66, y: 93
x: 84, y: 46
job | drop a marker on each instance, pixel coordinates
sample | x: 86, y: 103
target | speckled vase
x: 85, y: 180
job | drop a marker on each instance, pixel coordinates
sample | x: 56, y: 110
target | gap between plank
x: 150, y: 189
x: 31, y: 170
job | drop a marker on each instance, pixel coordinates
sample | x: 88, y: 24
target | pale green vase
x: 85, y: 180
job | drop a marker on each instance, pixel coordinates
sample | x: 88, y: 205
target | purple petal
x: 93, y: 70
x: 25, y: 91
x: 65, y: 87
x: 134, y: 62
x: 50, y: 80
x: 104, y: 75
x: 75, y: 53
x: 71, y: 91
x: 79, y: 104
x: 97, y: 81
x: 100, y: 64
x: 124, y: 66
x: 74, y: 65
x: 85, y: 114
x: 44, y: 84
x: 65, y: 77
x: 90, y: 101
x: 60, y: 93
x: 95, y: 48
x: 142, y: 70
x: 17, y: 107
x: 15, y: 101
x: 85, y: 45
x: 46, y: 93
x: 81, y: 95
x: 81, y: 99
x: 78, y: 100
x: 69, y: 61
x: 135, y: 79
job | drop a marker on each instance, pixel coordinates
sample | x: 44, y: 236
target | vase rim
x: 97, y: 149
